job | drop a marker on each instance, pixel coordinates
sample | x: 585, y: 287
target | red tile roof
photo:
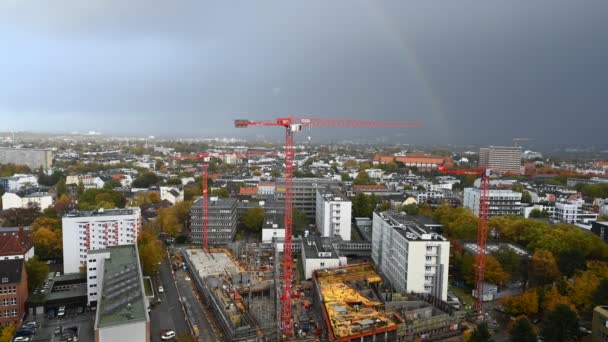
x: 248, y: 191
x: 15, y: 243
x: 369, y: 188
x: 266, y: 184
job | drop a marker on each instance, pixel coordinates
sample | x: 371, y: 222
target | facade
x: 13, y: 291
x: 273, y: 227
x: 171, y: 194
x: 92, y: 230
x: 502, y: 159
x: 16, y: 244
x: 319, y: 253
x: 502, y: 202
x: 40, y: 199
x: 222, y: 221
x: 304, y: 193
x: 122, y: 307
x: 411, y: 256
x: 572, y: 212
x: 333, y: 216
x: 599, y: 325
x: 18, y: 182
x: 34, y: 158
x: 600, y: 229
x: 422, y: 162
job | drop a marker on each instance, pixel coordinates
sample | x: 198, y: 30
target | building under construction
x: 356, y: 306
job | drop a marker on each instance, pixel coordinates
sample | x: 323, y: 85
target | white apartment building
x: 422, y: 197
x: 411, y: 256
x: 319, y: 253
x: 18, y: 182
x: 572, y: 212
x: 272, y: 228
x: 333, y: 213
x: 171, y: 194
x: 39, y: 199
x: 502, y: 202
x: 91, y: 230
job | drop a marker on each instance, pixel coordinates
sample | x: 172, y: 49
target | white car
x: 161, y: 289
x: 21, y: 339
x: 168, y: 335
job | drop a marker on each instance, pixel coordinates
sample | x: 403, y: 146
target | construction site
x: 238, y: 285
x: 356, y: 306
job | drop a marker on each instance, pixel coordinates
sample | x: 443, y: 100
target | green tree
x: 300, y: 221
x: 571, y: 261
x: 561, y: 324
x: 537, y: 213
x: 543, y: 268
x: 151, y: 252
x: 254, y: 219
x: 410, y: 209
x: 526, y: 197
x: 145, y: 180
x: 510, y: 261
x: 363, y: 205
x: 221, y: 192
x: 345, y: 177
x: 36, y: 272
x: 600, y: 296
x: 481, y: 333
x: 61, y: 187
x: 363, y: 179
x: 522, y: 331
x: 174, y: 181
x: 111, y: 184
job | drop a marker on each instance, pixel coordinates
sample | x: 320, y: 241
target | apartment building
x: 16, y: 244
x: 115, y: 286
x: 304, y: 193
x: 84, y: 231
x: 572, y: 212
x: 410, y: 255
x: 40, y: 200
x: 502, y: 202
x: 333, y: 216
x: 501, y: 159
x: 319, y: 253
x: 222, y: 220
x: 18, y: 182
x: 34, y: 158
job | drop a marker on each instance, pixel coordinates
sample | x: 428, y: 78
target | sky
x: 471, y: 71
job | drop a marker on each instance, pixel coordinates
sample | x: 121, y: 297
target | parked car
x: 21, y: 339
x: 168, y: 335
x: 57, y: 331
x: 161, y: 289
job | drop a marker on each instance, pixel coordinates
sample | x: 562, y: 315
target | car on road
x: 168, y: 335
x: 21, y: 339
x: 161, y: 289
x: 32, y: 324
x: 61, y: 312
x: 57, y: 331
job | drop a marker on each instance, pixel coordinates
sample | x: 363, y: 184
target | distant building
x: 600, y: 229
x: 13, y: 291
x: 92, y: 230
x: 599, y: 324
x: 41, y: 200
x: 18, y: 182
x: 304, y: 193
x: 222, y: 221
x: 16, y: 244
x: 502, y: 202
x: 410, y: 255
x: 502, y: 159
x: 572, y: 212
x: 419, y: 161
x: 34, y: 158
x: 319, y: 253
x: 115, y: 285
x: 87, y: 181
x: 273, y: 228
x: 333, y: 213
x: 171, y: 194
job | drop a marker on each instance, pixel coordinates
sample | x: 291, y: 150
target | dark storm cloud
x: 471, y: 71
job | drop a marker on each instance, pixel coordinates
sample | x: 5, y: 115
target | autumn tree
x: 561, y: 324
x: 494, y: 272
x: 37, y: 272
x: 600, y: 295
x: 363, y: 179
x: 168, y: 222
x: 522, y: 331
x: 552, y: 298
x: 46, y: 222
x: 523, y: 304
x: 410, y: 209
x: 150, y: 252
x: 510, y: 260
x: 47, y: 242
x: 458, y: 223
x: 543, y: 268
x: 6, y: 335
x: 62, y: 204
x: 254, y: 219
x: 481, y: 333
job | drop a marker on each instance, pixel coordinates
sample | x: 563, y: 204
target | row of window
x: 8, y: 301
x: 9, y: 313
x: 8, y: 289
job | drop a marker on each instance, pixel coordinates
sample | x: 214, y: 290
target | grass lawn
x: 463, y: 293
x: 148, y: 287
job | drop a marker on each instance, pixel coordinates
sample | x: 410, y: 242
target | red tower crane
x: 484, y: 199
x: 293, y: 125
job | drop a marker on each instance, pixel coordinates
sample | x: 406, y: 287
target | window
x: 7, y: 313
x: 5, y: 280
x: 5, y: 302
x: 13, y: 301
x: 322, y: 264
x: 14, y: 312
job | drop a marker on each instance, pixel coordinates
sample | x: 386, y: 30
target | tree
x: 345, y: 177
x: 46, y: 222
x: 362, y: 179
x: 221, y: 192
x: 543, y: 268
x: 526, y: 197
x: 62, y: 204
x: 174, y: 181
x: 7, y: 333
x: 600, y: 295
x: 145, y: 180
x: 19, y: 216
x: 570, y: 261
x: 561, y: 324
x: 61, y: 188
x: 410, y: 209
x: 37, y: 272
x: 467, y: 268
x: 481, y: 333
x: 537, y: 213
x: 168, y: 222
x: 363, y: 205
x: 524, y: 304
x: 510, y: 261
x: 522, y: 331
x: 300, y: 221
x: 111, y: 184
x: 150, y: 252
x: 494, y: 272
x: 459, y: 223
x: 47, y: 243
x: 254, y: 219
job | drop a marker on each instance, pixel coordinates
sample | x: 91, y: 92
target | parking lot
x: 83, y: 323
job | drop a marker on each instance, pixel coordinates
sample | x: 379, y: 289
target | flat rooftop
x: 491, y: 248
x: 315, y: 247
x: 102, y: 212
x: 216, y: 202
x: 213, y: 263
x: 349, y: 313
x: 122, y: 299
x: 409, y: 227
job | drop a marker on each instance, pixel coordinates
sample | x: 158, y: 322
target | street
x: 207, y: 332
x: 168, y: 314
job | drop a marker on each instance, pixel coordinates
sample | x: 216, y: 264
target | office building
x: 115, y: 284
x: 92, y: 230
x: 501, y: 159
x: 502, y: 202
x: 572, y: 212
x: 319, y: 253
x: 222, y: 220
x: 13, y: 291
x: 273, y: 227
x: 39, y: 200
x: 333, y: 216
x: 304, y: 193
x: 34, y: 158
x: 411, y: 256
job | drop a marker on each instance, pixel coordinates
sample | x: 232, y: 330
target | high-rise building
x: 333, y: 213
x: 502, y: 202
x: 222, y: 219
x: 91, y: 230
x: 304, y: 193
x: 501, y: 159
x: 410, y: 255
x: 115, y: 285
x: 34, y: 158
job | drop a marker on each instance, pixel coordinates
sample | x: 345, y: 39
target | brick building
x: 13, y: 291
